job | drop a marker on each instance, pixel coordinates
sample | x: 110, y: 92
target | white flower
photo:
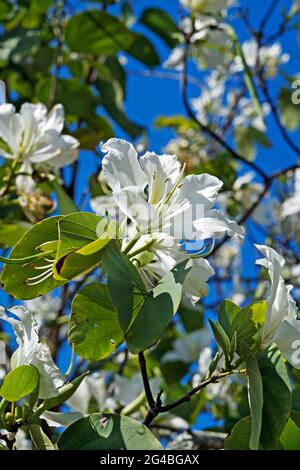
x: 126, y: 390
x: 175, y: 59
x: 281, y: 326
x: 248, y: 117
x: 154, y: 195
x: 31, y: 351
x: 291, y: 205
x: 164, y: 207
x: 270, y: 57
x: 44, y: 308
x: 187, y: 348
x: 209, y: 44
x: 210, y: 100
x: 207, y: 6
x: 93, y: 387
x: 34, y: 137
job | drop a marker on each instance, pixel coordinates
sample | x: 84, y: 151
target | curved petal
x: 201, y: 187
x: 57, y: 419
x: 131, y: 201
x: 162, y: 172
x: 55, y: 119
x: 215, y: 225
x: 287, y: 340
x: 195, y: 285
x: 32, y: 115
x: 281, y: 305
x: 121, y: 166
x: 10, y: 129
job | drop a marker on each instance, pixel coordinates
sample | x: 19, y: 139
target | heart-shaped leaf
x: 19, y: 382
x: 107, y: 432
x: 94, y: 326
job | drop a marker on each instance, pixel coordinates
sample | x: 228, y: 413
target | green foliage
x: 277, y: 396
x: 94, y: 326
x: 11, y: 232
x: 247, y: 139
x: 143, y: 314
x: 15, y: 277
x: 83, y: 238
x: 255, y: 395
x: 107, y: 432
x: 162, y: 24
x: 64, y: 393
x: 239, y: 436
x: 19, y: 382
x: 290, y: 437
x: 97, y: 32
x: 290, y: 112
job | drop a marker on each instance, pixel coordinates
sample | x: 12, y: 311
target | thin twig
x: 205, y: 129
x: 143, y: 369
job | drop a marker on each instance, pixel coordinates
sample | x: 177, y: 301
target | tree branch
x: 143, y: 369
x: 205, y: 129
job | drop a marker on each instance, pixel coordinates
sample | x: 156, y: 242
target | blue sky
x: 148, y: 98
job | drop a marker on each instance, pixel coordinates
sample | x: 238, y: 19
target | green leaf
x: 94, y: 326
x: 158, y: 309
x: 191, y: 317
x: 19, y: 382
x: 248, y: 75
x: 82, y: 239
x: 290, y: 112
x: 247, y: 138
x: 125, y: 286
x: 89, y: 137
x: 221, y: 338
x: 290, y: 437
x: 64, y: 393
x: 226, y: 313
x: 255, y: 395
x: 11, y: 232
x: 239, y: 437
x: 177, y: 122
x: 15, y: 277
x: 248, y: 321
x: 66, y: 204
x: 277, y: 396
x: 162, y: 24
x: 143, y: 50
x: 40, y: 440
x: 143, y: 315
x: 76, y: 97
x: 112, y: 100
x: 107, y: 432
x: 97, y: 32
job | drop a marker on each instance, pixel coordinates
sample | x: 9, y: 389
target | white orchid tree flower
x: 188, y: 348
x: 94, y: 387
x: 127, y: 390
x: 34, y: 137
x: 270, y: 57
x: 207, y: 6
x: 31, y: 351
x: 281, y: 326
x: 291, y: 205
x: 164, y: 208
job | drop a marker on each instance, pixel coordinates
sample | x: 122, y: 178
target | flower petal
x: 215, y: 225
x: 287, y: 339
x: 121, y: 166
x: 162, y: 172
